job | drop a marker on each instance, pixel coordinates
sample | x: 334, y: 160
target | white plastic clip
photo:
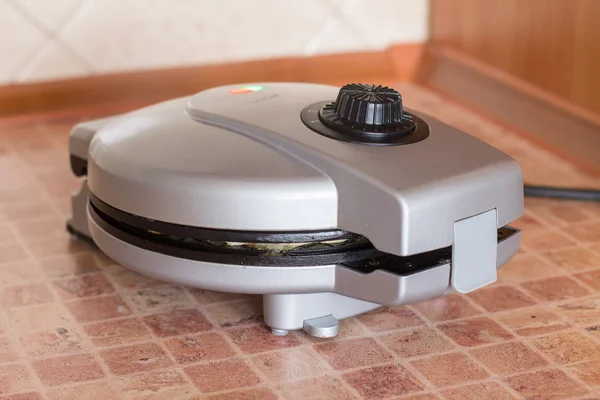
x: 474, y: 252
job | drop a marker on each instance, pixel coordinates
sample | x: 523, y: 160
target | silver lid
x: 159, y: 163
x: 249, y: 162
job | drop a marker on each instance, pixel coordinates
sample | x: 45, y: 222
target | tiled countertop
x: 73, y: 325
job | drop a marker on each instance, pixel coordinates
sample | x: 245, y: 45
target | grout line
x: 73, y: 324
x: 405, y: 363
x: 458, y: 348
x: 138, y: 314
x: 24, y: 358
x: 52, y: 36
x: 38, y: 47
x: 64, y: 26
x: 526, y: 341
x: 503, y: 379
x: 135, y: 314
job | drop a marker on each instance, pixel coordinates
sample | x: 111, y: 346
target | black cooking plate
x: 208, y: 245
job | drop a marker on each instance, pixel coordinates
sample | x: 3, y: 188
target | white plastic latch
x: 474, y: 252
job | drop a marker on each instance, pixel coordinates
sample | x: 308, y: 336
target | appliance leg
x: 318, y: 314
x: 78, y: 224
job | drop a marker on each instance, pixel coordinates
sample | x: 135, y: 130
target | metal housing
x: 249, y: 163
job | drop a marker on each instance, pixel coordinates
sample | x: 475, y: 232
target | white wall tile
x: 121, y: 35
x: 383, y: 22
x: 55, y: 61
x: 49, y: 14
x: 192, y: 32
x: 18, y: 39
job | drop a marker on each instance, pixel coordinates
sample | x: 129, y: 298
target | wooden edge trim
x: 125, y: 91
x: 541, y: 117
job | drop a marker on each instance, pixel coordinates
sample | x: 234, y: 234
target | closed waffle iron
x: 329, y: 202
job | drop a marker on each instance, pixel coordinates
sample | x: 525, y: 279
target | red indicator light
x: 240, y: 91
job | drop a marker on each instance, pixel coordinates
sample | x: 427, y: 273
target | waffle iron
x: 329, y: 202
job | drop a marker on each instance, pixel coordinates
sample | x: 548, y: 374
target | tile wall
x: 54, y: 39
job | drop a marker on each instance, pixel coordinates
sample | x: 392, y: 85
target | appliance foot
x: 78, y: 224
x: 318, y: 314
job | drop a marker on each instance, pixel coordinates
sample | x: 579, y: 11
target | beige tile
x: 14, y: 378
x: 551, y: 383
x: 555, y: 289
x: 241, y: 312
x: 40, y: 228
x: 509, y: 358
x: 588, y: 372
x: 11, y: 253
x: 545, y: 241
x: 324, y: 387
x: 201, y: 347
x: 567, y: 347
x: 390, y: 318
x: 130, y: 280
x: 487, y: 390
x: 532, y: 321
x: 475, y: 332
x: 250, y: 394
x: 585, y: 232
x: 416, y: 342
x: 446, y: 308
x: 527, y: 267
x: 56, y: 247
x: 501, y: 298
x: 24, y: 396
x: 70, y: 264
x: 161, y: 298
x: 67, y: 369
x: 291, y: 364
x: 152, y: 384
x: 450, y: 369
x: 8, y: 351
x: 85, y: 391
x: 258, y: 339
x: 222, y: 375
x: 564, y: 213
x: 178, y: 322
x: 582, y: 311
x: 573, y: 259
x: 127, y: 360
x: 383, y: 381
x: 78, y: 287
x: 20, y: 273
x: 96, y: 309
x: 53, y: 342
x: 119, y: 332
x: 25, y: 295
x: 353, y: 353
x: 6, y: 235
x: 51, y: 315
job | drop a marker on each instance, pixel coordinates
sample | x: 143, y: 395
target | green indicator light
x: 254, y: 88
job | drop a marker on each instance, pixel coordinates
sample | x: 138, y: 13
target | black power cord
x: 562, y: 193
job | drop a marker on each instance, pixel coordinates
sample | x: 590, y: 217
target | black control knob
x: 368, y: 105
x: 367, y: 113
